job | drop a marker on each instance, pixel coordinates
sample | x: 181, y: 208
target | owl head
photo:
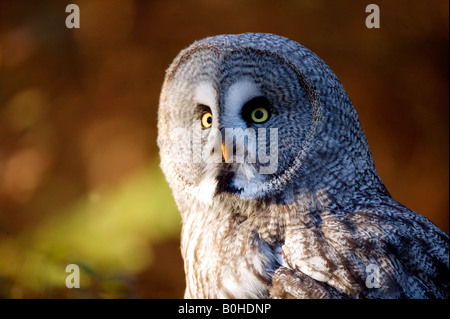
x: 259, y: 116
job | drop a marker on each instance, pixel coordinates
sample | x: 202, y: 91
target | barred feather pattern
x: 323, y: 225
x: 304, y: 251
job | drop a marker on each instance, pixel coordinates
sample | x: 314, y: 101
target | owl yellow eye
x: 207, y: 120
x: 259, y: 115
x: 257, y: 110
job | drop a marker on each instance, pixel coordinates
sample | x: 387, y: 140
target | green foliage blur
x: 106, y: 235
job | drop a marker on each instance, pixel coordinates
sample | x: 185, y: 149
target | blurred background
x: 79, y: 175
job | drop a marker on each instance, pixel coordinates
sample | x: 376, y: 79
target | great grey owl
x: 276, y: 185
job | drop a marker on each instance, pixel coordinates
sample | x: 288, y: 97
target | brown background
x: 79, y: 181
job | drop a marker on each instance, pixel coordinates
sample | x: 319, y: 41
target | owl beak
x: 224, y: 153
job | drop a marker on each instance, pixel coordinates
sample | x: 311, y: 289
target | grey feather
x: 316, y: 226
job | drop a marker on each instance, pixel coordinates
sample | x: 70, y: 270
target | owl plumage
x: 312, y: 219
